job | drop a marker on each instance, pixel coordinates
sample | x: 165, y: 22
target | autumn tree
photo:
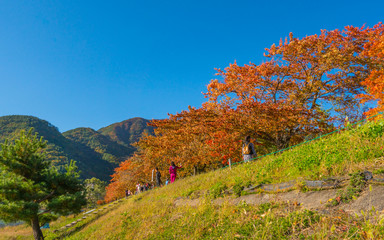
x: 304, y: 88
x: 31, y: 189
x: 125, y: 177
x: 199, y: 139
x: 374, y: 83
x: 305, y: 84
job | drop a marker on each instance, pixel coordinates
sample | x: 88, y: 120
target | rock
x: 278, y: 186
x: 251, y: 188
x: 321, y: 184
x: 367, y: 175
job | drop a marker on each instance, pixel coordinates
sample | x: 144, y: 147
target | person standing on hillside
x: 173, y: 171
x: 158, y: 177
x: 248, y: 149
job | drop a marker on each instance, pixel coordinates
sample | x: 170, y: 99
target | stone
x: 278, y: 186
x: 320, y: 184
x: 367, y: 175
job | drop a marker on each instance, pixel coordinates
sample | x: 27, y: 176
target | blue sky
x: 94, y: 63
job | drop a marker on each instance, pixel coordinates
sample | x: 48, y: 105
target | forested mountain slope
x: 96, y: 154
x: 128, y: 131
x: 110, y: 150
x: 60, y: 149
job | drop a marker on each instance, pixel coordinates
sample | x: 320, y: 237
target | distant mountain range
x: 97, y: 153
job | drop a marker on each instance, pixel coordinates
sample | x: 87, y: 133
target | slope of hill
x: 128, y: 131
x: 206, y: 206
x: 60, y: 150
x: 96, y: 153
x: 111, y: 151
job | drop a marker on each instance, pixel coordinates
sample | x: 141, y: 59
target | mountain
x: 128, y: 131
x: 110, y: 150
x: 60, y: 150
x: 96, y: 153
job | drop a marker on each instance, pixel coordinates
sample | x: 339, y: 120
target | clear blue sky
x: 94, y: 63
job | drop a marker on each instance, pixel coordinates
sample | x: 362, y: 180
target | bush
x: 217, y: 190
x: 239, y: 186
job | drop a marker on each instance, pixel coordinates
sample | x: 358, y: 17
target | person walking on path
x: 158, y: 177
x: 248, y: 149
x: 173, y: 171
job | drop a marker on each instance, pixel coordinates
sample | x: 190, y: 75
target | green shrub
x: 356, y: 185
x: 374, y: 130
x: 217, y: 190
x: 239, y: 186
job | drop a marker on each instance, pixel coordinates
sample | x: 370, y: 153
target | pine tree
x: 31, y: 189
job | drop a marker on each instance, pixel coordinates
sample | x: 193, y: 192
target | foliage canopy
x: 31, y: 189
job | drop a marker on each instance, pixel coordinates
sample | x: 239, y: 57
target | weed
x: 264, y: 207
x: 239, y: 186
x: 187, y: 193
x: 217, y: 190
x: 356, y: 185
x: 373, y: 130
x: 301, y: 186
x: 378, y: 171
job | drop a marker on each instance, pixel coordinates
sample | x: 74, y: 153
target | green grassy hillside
x: 186, y: 210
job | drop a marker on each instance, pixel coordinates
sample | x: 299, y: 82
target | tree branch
x: 46, y: 211
x: 46, y: 197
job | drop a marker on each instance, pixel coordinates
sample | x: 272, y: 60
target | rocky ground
x: 317, y: 196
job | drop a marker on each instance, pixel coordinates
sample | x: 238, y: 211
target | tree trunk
x: 282, y: 140
x: 37, y: 233
x: 194, y: 170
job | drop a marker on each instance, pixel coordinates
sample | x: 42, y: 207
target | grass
x: 153, y: 214
x: 25, y: 232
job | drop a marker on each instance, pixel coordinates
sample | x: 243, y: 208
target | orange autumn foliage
x: 125, y: 177
x: 187, y: 138
x: 304, y: 88
x: 374, y: 83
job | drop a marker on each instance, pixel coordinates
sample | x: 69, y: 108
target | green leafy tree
x: 31, y: 189
x: 94, y: 190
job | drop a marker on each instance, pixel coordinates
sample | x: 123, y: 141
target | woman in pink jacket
x: 173, y: 171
